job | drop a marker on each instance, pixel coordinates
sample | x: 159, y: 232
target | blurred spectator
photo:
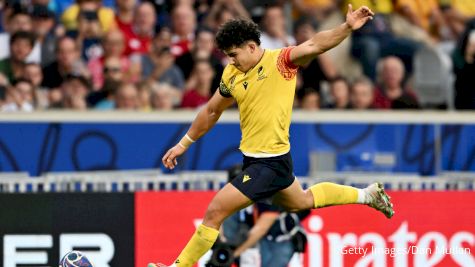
x: 376, y: 40
x: 43, y: 19
x: 159, y: 64
x: 21, y: 44
x: 124, y: 16
x: 113, y: 46
x: 20, y: 97
x: 73, y: 92
x: 391, y: 92
x: 162, y: 97
x: 198, y: 95
x: 362, y: 94
x: 126, y: 97
x: 89, y: 35
x: 18, y: 19
x: 340, y: 93
x: 203, y: 49
x: 104, y: 98
x: 137, y: 42
x: 317, y: 70
x: 317, y: 9
x: 309, y: 99
x: 67, y: 62
x: 34, y: 74
x: 184, y: 27
x: 458, y: 13
x: 105, y: 15
x: 426, y: 15
x: 274, y: 34
x: 59, y: 6
x: 257, y: 9
x: 144, y: 96
x: 3, y: 96
x: 465, y: 70
x: 223, y: 10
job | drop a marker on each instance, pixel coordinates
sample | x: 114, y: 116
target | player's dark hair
x: 237, y: 32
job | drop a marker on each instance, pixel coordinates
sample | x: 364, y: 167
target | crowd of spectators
x: 160, y: 55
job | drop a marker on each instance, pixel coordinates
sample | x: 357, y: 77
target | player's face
x: 242, y: 57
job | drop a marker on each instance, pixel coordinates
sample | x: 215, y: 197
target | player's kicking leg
x: 226, y: 202
x: 294, y: 198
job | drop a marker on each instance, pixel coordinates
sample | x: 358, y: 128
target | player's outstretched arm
x: 326, y: 40
x: 204, y: 121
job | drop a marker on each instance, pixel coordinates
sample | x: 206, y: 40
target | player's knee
x: 214, y: 216
x: 305, y: 203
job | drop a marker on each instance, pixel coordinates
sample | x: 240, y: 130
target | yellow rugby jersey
x: 265, y: 96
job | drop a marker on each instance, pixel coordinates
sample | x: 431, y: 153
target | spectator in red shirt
x: 390, y: 93
x: 184, y: 27
x: 143, y: 30
x: 125, y: 15
x: 200, y: 93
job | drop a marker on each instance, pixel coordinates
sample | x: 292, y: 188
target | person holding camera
x: 279, y: 235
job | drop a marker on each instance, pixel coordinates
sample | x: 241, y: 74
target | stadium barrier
x: 155, y: 180
x: 422, y: 143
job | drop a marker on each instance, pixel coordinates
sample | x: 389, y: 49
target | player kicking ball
x: 262, y: 82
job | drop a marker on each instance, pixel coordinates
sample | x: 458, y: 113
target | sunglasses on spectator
x: 112, y: 69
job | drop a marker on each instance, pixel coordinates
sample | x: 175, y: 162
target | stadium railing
x: 155, y: 180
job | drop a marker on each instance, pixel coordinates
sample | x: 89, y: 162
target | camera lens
x: 223, y: 256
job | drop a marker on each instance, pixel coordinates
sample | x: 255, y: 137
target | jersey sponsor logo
x: 260, y: 73
x: 245, y: 84
x: 246, y: 178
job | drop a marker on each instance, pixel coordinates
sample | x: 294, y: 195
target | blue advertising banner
x: 38, y: 147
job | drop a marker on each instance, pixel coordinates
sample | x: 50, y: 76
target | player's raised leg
x: 294, y: 198
x: 227, y: 201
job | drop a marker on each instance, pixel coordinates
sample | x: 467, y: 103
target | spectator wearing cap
x: 105, y: 15
x: 68, y: 61
x: 44, y: 21
x: 137, y: 42
x: 21, y: 44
